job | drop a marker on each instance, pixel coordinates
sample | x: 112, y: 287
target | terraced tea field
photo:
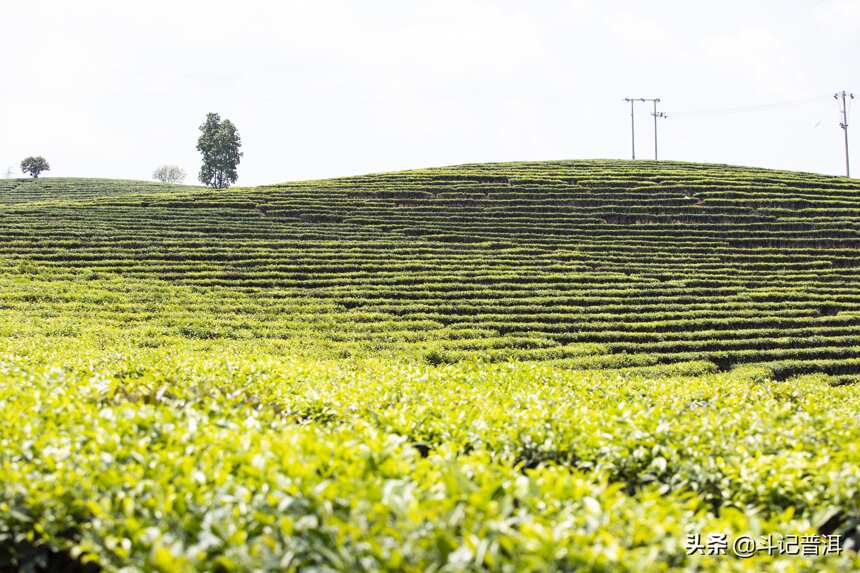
x: 585, y: 264
x: 507, y: 367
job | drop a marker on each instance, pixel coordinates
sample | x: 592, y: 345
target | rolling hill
x: 570, y: 365
x: 587, y: 264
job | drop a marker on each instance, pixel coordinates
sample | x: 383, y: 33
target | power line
x: 750, y: 108
x: 845, y: 96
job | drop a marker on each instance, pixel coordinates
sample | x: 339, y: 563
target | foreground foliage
x: 171, y: 461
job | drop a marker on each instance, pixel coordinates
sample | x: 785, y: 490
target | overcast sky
x: 322, y: 88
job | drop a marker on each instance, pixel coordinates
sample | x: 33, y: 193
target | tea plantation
x: 491, y: 367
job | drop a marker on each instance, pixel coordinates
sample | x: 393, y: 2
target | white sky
x: 323, y: 88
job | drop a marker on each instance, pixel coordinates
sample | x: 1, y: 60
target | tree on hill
x: 34, y: 166
x: 219, y: 145
x: 169, y: 174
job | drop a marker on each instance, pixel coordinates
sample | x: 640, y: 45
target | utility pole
x: 844, y: 125
x: 655, y: 101
x: 632, y: 127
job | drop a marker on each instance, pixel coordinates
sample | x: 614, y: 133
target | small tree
x: 169, y: 174
x: 219, y: 145
x: 34, y: 166
x: 10, y: 172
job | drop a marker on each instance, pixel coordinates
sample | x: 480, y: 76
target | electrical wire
x: 748, y: 108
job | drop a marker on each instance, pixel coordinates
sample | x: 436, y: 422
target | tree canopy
x: 219, y: 145
x: 34, y: 166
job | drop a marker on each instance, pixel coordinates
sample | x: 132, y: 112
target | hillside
x: 555, y: 366
x: 587, y: 264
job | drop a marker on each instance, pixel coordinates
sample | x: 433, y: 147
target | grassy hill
x: 587, y: 264
x: 507, y: 367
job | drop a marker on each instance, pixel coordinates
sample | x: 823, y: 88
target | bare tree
x: 10, y: 172
x: 169, y: 174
